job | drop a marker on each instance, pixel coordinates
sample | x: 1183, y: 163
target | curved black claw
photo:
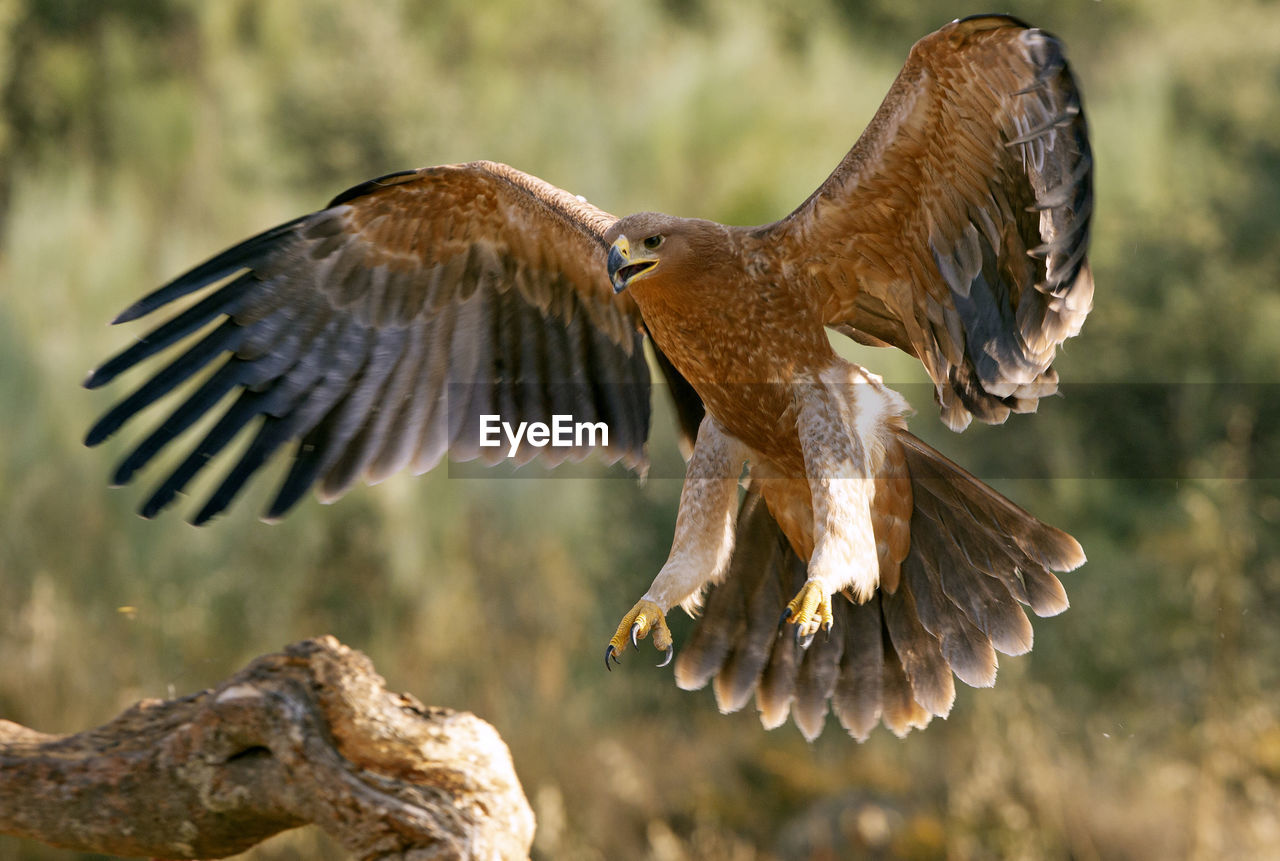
x: 610, y: 653
x: 634, y: 629
x: 804, y: 642
x: 786, y: 615
x: 671, y: 651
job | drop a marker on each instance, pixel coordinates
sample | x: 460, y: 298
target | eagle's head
x: 641, y: 245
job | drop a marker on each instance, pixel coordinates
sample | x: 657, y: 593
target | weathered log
x: 310, y: 735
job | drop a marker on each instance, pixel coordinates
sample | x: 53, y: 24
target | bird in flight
x: 384, y: 330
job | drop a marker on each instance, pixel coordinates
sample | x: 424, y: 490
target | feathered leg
x: 703, y: 541
x: 842, y: 424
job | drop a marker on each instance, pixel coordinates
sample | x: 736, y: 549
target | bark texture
x: 310, y: 735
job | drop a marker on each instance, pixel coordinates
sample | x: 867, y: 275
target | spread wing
x: 373, y: 334
x: 957, y: 226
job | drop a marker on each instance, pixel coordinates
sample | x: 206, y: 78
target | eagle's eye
x: 652, y: 242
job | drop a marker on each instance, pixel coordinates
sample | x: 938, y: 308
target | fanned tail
x: 974, y: 557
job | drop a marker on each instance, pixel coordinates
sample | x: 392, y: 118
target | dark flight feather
x: 374, y: 334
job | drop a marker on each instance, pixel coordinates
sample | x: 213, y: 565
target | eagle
x: 382, y: 331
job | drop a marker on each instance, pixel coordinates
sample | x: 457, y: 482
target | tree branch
x: 307, y: 736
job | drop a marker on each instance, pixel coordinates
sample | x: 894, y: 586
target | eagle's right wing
x: 371, y: 335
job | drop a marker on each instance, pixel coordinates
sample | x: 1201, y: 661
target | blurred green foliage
x: 138, y: 137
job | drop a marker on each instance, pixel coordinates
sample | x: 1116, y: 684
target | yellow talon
x: 809, y: 611
x: 643, y: 618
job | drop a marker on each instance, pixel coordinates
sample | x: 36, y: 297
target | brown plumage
x: 374, y: 335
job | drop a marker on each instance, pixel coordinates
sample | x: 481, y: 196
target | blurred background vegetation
x: 139, y: 136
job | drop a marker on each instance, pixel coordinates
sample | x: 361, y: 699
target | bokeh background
x: 139, y: 136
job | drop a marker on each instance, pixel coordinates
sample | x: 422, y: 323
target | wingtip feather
x: 94, y: 379
x: 138, y: 309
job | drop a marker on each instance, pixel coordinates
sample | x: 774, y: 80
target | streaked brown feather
x: 891, y: 516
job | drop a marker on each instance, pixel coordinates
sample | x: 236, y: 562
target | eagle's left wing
x: 956, y: 228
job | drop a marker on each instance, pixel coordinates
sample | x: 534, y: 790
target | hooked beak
x: 622, y: 269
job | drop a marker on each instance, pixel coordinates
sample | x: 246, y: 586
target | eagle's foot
x: 810, y: 612
x: 643, y: 618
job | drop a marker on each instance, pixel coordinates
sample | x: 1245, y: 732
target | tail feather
x: 1048, y: 598
x: 974, y: 557
x: 964, y: 646
x: 984, y: 600
x: 919, y: 652
x: 816, y: 683
x: 777, y: 685
x: 900, y: 711
x: 987, y: 549
x: 734, y: 644
x: 1050, y: 547
x: 725, y: 636
x: 858, y: 698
